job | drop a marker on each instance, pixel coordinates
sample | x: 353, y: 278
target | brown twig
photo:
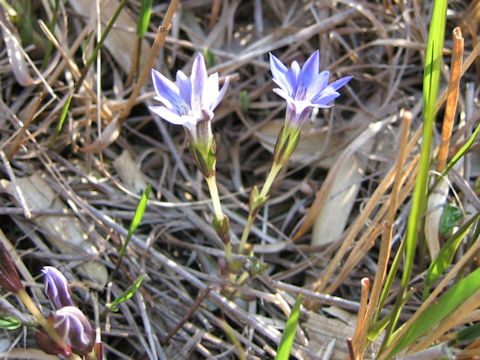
x: 452, y: 98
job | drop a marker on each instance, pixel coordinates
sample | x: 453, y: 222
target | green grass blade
x: 127, y: 294
x: 137, y: 217
x: 61, y: 121
x: 288, y: 336
x: 448, y: 302
x: 445, y: 256
x: 470, y: 333
x: 10, y: 323
x: 431, y: 79
x: 462, y: 150
x: 144, y: 17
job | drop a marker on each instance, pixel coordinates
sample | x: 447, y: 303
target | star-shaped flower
x: 190, y: 101
x: 304, y: 88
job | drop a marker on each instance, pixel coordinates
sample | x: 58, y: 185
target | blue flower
x: 190, y: 101
x: 304, y: 88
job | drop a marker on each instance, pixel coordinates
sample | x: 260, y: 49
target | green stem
x: 212, y: 187
x: 274, y: 170
x: 219, y: 215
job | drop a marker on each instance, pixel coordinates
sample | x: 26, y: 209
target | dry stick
x: 354, y: 229
x: 469, y: 61
x: 155, y: 50
x: 187, y: 316
x: 384, y: 254
x: 321, y: 196
x: 359, y: 251
x: 20, y: 135
x: 214, y: 14
x: 452, y: 98
x: 361, y: 317
x: 73, y: 68
x: 112, y: 131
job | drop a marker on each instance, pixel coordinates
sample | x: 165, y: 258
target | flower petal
x: 340, y: 82
x: 308, y: 73
x: 168, y: 93
x: 210, y: 92
x: 318, y: 85
x: 282, y: 93
x: 167, y: 114
x: 184, y: 87
x: 221, y: 94
x: 325, y: 98
x: 279, y: 72
x: 198, y: 79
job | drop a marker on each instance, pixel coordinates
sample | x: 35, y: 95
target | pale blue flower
x: 191, y: 100
x: 304, y: 88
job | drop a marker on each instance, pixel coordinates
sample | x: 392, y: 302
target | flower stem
x: 32, y: 307
x: 219, y: 216
x: 212, y: 187
x: 274, y: 170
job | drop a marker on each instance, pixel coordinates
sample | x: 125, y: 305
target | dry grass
x: 67, y: 200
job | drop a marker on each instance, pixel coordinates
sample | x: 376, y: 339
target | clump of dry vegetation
x: 71, y: 180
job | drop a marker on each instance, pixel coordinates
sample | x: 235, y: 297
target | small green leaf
x: 61, y: 121
x: 9, y: 323
x: 127, y: 294
x: 137, y: 218
x: 288, y: 336
x: 448, y: 219
x: 244, y: 100
x: 209, y: 58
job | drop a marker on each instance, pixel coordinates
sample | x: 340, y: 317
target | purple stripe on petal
x: 184, y: 87
x: 279, y: 72
x: 167, y: 114
x: 198, y: 78
x: 308, y: 73
x: 167, y: 92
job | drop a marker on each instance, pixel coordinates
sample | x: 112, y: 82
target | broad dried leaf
x: 108, y: 136
x: 322, y: 195
x: 38, y: 195
x: 14, y: 51
x: 129, y: 172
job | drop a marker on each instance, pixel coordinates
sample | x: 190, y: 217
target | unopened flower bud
x: 9, y: 278
x: 74, y: 328
x: 57, y: 288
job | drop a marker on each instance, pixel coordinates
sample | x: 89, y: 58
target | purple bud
x: 74, y: 328
x: 57, y: 288
x: 9, y: 278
